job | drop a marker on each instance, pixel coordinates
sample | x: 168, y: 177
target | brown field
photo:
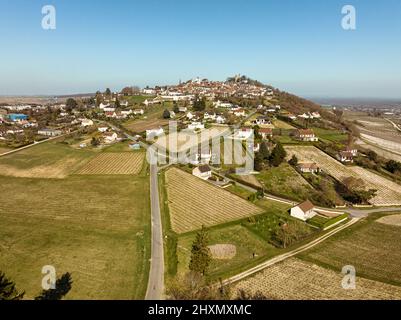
x: 143, y: 125
x: 294, y: 279
x: 394, y: 220
x: 373, y: 248
x: 250, y: 180
x: 193, y: 203
x: 47, y: 160
x: 114, y: 163
x: 391, y: 155
x: 388, y: 192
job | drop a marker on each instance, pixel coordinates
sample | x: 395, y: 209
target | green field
x: 95, y: 227
x: 246, y: 242
x: 373, y: 248
x: 285, y: 181
x: 330, y: 135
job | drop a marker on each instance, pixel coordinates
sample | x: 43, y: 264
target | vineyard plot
x: 388, y: 192
x: 114, y: 163
x: 193, y: 203
x: 294, y: 279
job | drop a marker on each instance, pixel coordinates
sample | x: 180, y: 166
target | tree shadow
x: 63, y: 286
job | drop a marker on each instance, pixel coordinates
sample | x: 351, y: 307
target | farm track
x: 287, y: 255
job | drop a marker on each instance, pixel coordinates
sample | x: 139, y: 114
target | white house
x: 110, y: 137
x: 243, y: 134
x: 153, y: 133
x: 306, y: 135
x: 240, y: 113
x: 266, y: 133
x: 203, y: 172
x: 109, y: 109
x: 209, y: 116
x: 126, y: 112
x: 261, y: 120
x: 347, y: 155
x: 102, y: 105
x: 308, y: 167
x: 86, y: 123
x: 196, y: 126
x: 139, y: 111
x: 182, y: 109
x: 190, y: 116
x: 49, y: 132
x: 102, y: 129
x: 304, y: 211
x: 220, y: 119
x: 124, y: 103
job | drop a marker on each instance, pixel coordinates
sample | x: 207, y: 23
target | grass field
x: 285, y: 181
x: 331, y: 135
x: 193, y: 203
x: 152, y: 119
x: 294, y: 279
x: 388, y: 192
x: 246, y: 243
x: 95, y: 227
x: 4, y: 149
x: 279, y: 124
x: 373, y: 248
x: 114, y: 163
x: 47, y: 160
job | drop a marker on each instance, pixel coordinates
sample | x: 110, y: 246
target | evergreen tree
x: 200, y: 253
x: 258, y: 162
x: 264, y: 151
x: 71, y: 104
x: 176, y: 109
x: 108, y: 92
x: 8, y: 290
x: 118, y: 105
x: 278, y: 155
x: 166, y: 114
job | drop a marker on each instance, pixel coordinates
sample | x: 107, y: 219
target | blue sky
x: 294, y: 45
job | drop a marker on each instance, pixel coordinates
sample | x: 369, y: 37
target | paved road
x: 156, y: 274
x: 155, y: 289
x: 287, y: 255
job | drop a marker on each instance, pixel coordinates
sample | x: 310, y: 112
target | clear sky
x: 294, y: 45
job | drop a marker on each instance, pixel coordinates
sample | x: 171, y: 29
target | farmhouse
x: 308, y: 167
x: 304, y: 211
x: 49, y: 132
x: 110, y: 137
x: 261, y: 120
x: 266, y: 133
x: 182, y: 109
x: 102, y: 129
x: 305, y: 135
x: 196, y: 126
x: 86, y: 123
x: 139, y: 111
x: 220, y: 119
x: 203, y: 172
x: 153, y: 133
x: 243, y: 134
x: 346, y: 156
